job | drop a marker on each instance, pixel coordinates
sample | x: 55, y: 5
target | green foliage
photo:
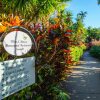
x: 33, y: 8
x: 79, y: 31
x: 5, y: 56
x: 77, y: 52
x: 51, y: 60
x: 44, y: 72
x: 95, y: 51
x: 58, y: 94
x: 81, y: 15
x: 93, y: 33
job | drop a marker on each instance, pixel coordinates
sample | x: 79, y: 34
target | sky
x: 91, y: 7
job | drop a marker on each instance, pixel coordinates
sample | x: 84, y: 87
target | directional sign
x: 16, y: 75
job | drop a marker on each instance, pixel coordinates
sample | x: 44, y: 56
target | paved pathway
x: 84, y: 82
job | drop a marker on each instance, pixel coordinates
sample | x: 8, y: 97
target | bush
x: 55, y: 52
x: 95, y: 51
x: 77, y: 52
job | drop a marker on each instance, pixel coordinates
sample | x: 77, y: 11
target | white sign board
x: 16, y: 75
x: 17, y: 43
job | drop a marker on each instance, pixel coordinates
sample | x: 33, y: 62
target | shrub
x: 77, y: 52
x: 95, y: 51
x: 58, y: 46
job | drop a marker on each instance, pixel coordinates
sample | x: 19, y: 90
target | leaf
x: 40, y: 78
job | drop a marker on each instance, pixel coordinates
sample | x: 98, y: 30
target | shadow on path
x: 84, y: 82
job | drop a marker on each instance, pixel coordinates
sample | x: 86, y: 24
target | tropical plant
x: 81, y: 15
x: 95, y: 51
x: 33, y: 8
x: 80, y: 32
x: 93, y: 33
x: 98, y: 1
x: 55, y: 39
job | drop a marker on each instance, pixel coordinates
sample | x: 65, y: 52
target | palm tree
x: 98, y: 1
x: 81, y: 15
x: 69, y: 14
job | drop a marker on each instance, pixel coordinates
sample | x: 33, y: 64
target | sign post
x: 19, y: 73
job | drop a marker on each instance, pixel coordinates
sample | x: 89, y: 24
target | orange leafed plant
x: 39, y: 37
x: 15, y: 21
x: 66, y: 51
x: 6, y: 24
x: 55, y: 26
x: 56, y: 41
x: 2, y: 28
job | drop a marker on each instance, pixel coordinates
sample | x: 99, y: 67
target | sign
x: 17, y: 43
x: 16, y: 75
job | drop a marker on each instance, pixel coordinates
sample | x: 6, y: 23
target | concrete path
x: 84, y: 82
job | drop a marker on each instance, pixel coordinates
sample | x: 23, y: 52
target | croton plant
x: 56, y: 51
